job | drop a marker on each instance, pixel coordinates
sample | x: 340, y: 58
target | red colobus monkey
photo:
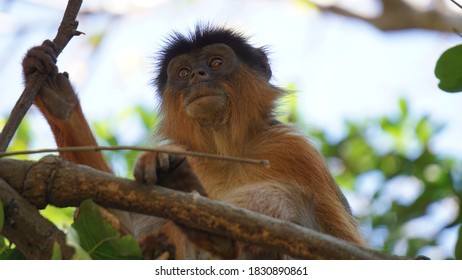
x: 216, y: 97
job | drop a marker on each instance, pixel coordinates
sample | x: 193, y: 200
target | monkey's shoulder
x: 282, y: 139
x: 290, y: 153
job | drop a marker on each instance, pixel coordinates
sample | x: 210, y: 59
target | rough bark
x: 60, y: 183
x: 33, y: 235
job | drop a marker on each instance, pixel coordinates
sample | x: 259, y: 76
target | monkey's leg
x: 279, y: 200
x: 60, y: 105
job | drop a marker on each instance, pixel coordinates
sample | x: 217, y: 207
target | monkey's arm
x: 60, y: 105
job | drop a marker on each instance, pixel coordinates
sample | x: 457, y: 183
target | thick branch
x: 27, y: 229
x: 58, y: 182
x: 399, y: 15
x: 66, y: 31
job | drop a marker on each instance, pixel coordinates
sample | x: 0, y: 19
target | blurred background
x: 360, y: 75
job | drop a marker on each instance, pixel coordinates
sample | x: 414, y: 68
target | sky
x: 342, y: 69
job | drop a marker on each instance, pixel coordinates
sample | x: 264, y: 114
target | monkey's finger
x: 181, y: 177
x: 176, y: 160
x: 163, y: 162
x: 49, y: 44
x: 150, y: 174
x: 65, y: 88
x: 50, y: 48
x: 155, y: 245
x: 145, y: 169
x: 42, y: 59
x: 144, y: 176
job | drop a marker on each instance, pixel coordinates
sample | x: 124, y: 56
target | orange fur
x: 298, y: 187
x: 72, y: 133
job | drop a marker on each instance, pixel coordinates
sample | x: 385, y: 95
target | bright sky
x: 343, y: 69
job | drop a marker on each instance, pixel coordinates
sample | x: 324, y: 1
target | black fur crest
x: 203, y: 35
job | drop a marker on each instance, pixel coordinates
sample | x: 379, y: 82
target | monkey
x: 216, y: 97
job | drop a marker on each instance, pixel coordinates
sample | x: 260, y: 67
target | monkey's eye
x: 215, y: 62
x: 183, y: 73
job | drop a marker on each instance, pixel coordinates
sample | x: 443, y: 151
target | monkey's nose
x: 199, y: 75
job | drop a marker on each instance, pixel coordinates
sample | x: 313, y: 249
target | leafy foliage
x: 449, y: 70
x: 99, y: 239
x: 407, y: 166
x: 8, y: 252
x: 388, y: 166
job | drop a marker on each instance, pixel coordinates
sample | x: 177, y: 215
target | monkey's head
x: 212, y: 78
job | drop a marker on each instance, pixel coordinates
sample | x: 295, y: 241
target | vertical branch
x: 66, y: 30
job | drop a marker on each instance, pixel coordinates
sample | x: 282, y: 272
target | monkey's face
x: 199, y: 78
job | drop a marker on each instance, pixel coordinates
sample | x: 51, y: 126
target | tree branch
x: 55, y: 181
x: 66, y: 31
x: 33, y: 235
x: 399, y: 15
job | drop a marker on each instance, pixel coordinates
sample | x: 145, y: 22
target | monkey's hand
x: 157, y: 247
x: 167, y: 170
x: 173, y: 171
x: 56, y: 98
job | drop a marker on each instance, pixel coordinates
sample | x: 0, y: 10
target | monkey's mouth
x: 203, y: 97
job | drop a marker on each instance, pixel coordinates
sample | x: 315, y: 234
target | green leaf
x: 390, y: 165
x: 449, y: 70
x: 403, y: 106
x: 8, y: 253
x: 357, y: 154
x: 73, y: 239
x: 12, y: 254
x: 2, y: 216
x: 56, y: 252
x: 424, y: 130
x: 100, y: 239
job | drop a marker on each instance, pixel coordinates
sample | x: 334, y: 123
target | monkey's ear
x: 264, y: 64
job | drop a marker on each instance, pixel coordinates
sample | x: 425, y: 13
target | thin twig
x: 66, y: 31
x: 457, y: 4
x: 457, y: 32
x: 262, y: 162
